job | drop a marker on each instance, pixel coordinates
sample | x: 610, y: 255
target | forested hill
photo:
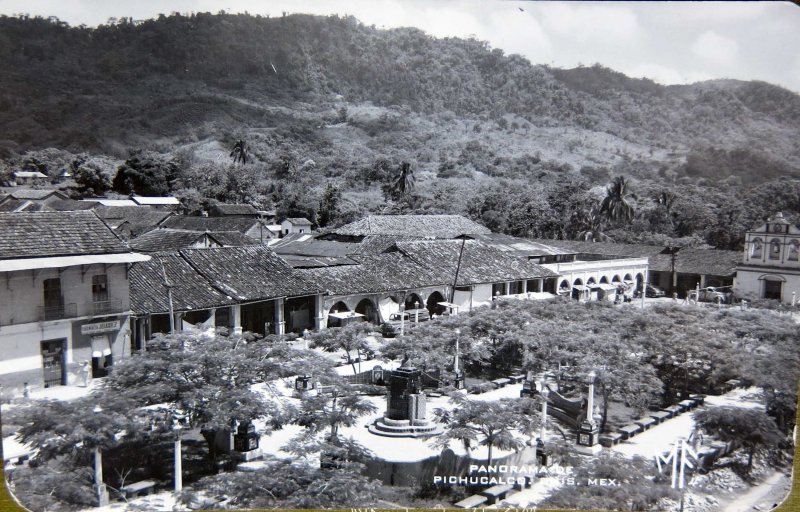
x: 132, y: 82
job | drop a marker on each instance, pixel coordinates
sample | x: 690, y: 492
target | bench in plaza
x: 516, y: 379
x: 501, y: 382
x: 629, y: 431
x: 609, y: 440
x: 138, y: 488
x: 687, y: 404
x: 646, y: 422
x: 473, y: 501
x: 700, y: 399
x: 673, y: 410
x: 528, y: 482
x: 497, y: 492
x: 660, y: 416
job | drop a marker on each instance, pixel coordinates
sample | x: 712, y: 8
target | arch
x: 772, y: 277
x: 616, y: 279
x: 755, y: 248
x: 639, y: 282
x: 627, y: 277
x: 339, y: 307
x: 775, y: 249
x: 793, y: 250
x: 604, y: 280
x: 432, y: 304
x: 564, y: 286
x: 577, y: 294
x: 411, y: 301
x: 367, y: 308
x: 590, y: 281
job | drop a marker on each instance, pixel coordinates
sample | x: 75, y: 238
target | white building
x: 770, y: 267
x: 64, y: 297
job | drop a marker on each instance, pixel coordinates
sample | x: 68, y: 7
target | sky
x: 669, y: 42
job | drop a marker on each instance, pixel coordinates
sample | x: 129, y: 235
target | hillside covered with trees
x: 329, y: 111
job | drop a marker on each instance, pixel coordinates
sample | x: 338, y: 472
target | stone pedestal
x: 247, y: 456
x: 405, y: 408
x: 588, y: 438
x: 101, y: 495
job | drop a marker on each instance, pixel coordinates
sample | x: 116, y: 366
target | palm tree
x: 404, y: 182
x: 590, y: 224
x: 239, y: 152
x: 616, y: 206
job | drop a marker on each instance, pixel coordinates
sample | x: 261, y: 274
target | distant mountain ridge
x: 111, y: 87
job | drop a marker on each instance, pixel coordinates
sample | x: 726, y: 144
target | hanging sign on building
x: 100, y: 327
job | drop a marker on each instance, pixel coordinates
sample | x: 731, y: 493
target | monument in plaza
x: 405, y: 408
x: 589, y: 431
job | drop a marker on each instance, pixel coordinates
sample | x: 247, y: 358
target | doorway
x: 53, y: 363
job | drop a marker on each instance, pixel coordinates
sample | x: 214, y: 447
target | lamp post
x: 178, y: 477
x: 416, y: 311
x: 459, y: 376
x: 99, y: 487
x: 545, y: 393
x: 588, y: 431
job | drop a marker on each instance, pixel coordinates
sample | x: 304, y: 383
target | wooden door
x: 53, y: 365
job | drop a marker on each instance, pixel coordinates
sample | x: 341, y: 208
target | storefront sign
x: 100, y: 327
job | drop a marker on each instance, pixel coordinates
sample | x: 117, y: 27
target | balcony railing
x: 58, y: 312
x: 105, y: 307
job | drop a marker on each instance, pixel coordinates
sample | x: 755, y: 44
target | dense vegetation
x: 330, y: 112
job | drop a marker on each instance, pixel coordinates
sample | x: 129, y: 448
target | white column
x: 319, y: 315
x: 545, y: 393
x: 236, y: 312
x: 540, y: 285
x: 280, y: 324
x: 590, y: 399
x: 178, y: 476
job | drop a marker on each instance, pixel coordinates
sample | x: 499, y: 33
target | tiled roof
x: 302, y: 221
x: 136, y: 215
x: 234, y: 209
x: 688, y: 260
x: 28, y: 235
x: 604, y: 248
x: 232, y: 238
x: 13, y: 205
x: 240, y: 224
x: 480, y: 263
x: 522, y: 246
x: 70, y: 205
x: 312, y: 247
x: 698, y: 261
x: 378, y: 273
x: 420, y: 226
x: 190, y: 290
x: 316, y: 261
x: 249, y: 273
x: 376, y: 244
x: 159, y: 240
x: 35, y: 194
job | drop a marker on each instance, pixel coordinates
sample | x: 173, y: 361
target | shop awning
x: 605, y: 286
x: 101, y: 346
x: 345, y: 315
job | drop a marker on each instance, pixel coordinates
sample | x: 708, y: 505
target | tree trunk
x: 489, y: 458
x: 750, y: 457
x: 210, y: 438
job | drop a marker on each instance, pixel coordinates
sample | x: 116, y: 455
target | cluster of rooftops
x: 378, y: 253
